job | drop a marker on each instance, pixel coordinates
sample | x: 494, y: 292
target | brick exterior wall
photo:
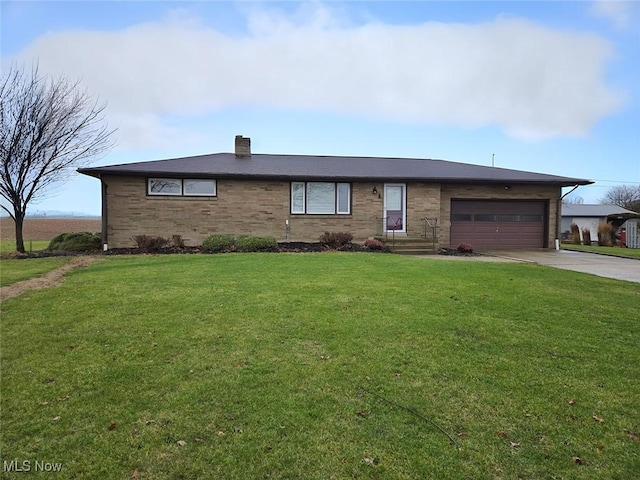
x: 262, y: 208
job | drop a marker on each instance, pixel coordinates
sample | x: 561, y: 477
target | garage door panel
x: 498, y: 224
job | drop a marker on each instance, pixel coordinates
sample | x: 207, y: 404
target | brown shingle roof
x: 311, y: 167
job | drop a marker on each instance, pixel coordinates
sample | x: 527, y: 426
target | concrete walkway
x: 601, y: 265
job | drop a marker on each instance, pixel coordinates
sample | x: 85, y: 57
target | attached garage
x: 499, y: 223
x: 298, y: 197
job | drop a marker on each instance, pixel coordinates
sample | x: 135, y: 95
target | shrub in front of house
x: 465, y: 248
x: 75, y: 242
x: 575, y: 234
x: 149, y: 243
x: 586, y: 236
x: 219, y: 243
x: 335, y: 240
x: 375, y: 245
x: 605, y: 235
x: 252, y: 243
x: 177, y: 241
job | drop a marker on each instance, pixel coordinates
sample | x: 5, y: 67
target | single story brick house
x: 299, y: 197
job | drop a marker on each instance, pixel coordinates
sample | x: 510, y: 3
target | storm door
x: 395, y: 202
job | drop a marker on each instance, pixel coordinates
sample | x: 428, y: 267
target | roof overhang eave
x: 99, y: 172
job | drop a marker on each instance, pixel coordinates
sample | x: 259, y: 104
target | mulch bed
x: 456, y: 253
x: 283, y: 247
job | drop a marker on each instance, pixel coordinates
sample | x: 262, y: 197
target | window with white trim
x: 320, y: 198
x: 164, y: 186
x: 199, y: 187
x: 187, y: 187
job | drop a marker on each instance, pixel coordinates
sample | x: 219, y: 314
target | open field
x: 42, y: 228
x: 275, y: 365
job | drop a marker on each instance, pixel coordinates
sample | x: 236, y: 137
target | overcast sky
x: 545, y: 86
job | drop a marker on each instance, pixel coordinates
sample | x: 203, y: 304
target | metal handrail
x: 434, y: 226
x: 429, y: 228
x: 385, y: 230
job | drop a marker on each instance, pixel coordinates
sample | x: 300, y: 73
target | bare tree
x: 624, y: 196
x: 577, y: 200
x: 48, y: 128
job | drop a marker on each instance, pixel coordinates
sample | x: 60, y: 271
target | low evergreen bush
x: 75, y: 242
x: 252, y: 243
x: 218, y: 243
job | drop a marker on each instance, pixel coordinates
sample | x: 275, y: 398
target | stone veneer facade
x: 262, y: 207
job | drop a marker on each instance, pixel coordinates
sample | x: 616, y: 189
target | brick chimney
x: 243, y: 146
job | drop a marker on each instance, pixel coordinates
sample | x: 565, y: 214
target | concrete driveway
x: 601, y: 265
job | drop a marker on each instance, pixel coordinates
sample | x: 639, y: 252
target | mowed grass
x: 615, y: 251
x: 14, y: 270
x: 9, y: 246
x: 256, y: 363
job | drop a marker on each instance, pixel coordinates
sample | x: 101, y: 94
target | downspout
x: 559, y: 215
x: 105, y: 238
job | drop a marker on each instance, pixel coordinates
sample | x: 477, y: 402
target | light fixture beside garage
x: 507, y: 187
x: 375, y: 190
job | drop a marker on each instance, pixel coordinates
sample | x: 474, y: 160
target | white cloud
x: 619, y: 12
x: 532, y: 81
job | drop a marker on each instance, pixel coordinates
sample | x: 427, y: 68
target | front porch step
x: 409, y: 245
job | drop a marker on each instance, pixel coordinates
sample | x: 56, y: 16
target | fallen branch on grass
x: 413, y: 411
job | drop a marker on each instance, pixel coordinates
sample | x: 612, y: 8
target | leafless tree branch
x: 624, y: 196
x: 49, y: 127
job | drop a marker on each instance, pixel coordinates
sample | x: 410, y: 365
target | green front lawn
x: 615, y: 251
x: 270, y: 366
x: 13, y: 270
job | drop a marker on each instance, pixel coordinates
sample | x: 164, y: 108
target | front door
x: 395, y: 202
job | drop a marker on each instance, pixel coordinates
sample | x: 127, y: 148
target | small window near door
x: 343, y: 202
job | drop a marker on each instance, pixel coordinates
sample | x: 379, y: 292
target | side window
x: 200, y: 187
x: 164, y: 186
x: 297, y: 197
x: 182, y: 187
x: 343, y: 201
